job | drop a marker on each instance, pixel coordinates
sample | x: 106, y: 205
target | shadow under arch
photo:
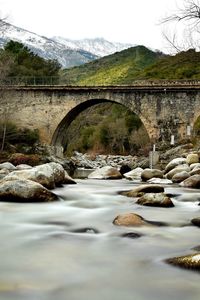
x: 59, y: 138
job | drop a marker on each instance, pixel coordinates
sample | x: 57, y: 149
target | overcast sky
x: 132, y: 21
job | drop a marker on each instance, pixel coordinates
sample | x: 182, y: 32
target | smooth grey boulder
x: 68, y: 179
x: 23, y: 167
x: 134, y: 174
x: 178, y: 169
x: 195, y: 171
x: 8, y: 166
x: 155, y: 199
x: 21, y: 190
x: 179, y: 177
x: 159, y: 181
x: 49, y: 174
x: 143, y: 189
x: 106, y: 172
x: 191, y: 182
x: 151, y: 173
x: 174, y: 163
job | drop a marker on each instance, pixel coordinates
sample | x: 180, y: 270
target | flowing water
x: 70, y: 250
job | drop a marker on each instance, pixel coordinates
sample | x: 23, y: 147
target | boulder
x: 106, y: 172
x: 125, y: 169
x: 142, y: 189
x: 134, y: 174
x: 131, y: 235
x: 191, y: 261
x: 174, y: 163
x: 179, y: 177
x: 192, y: 158
x: 41, y: 174
x: 8, y: 166
x: 196, y: 222
x: 159, y: 181
x: 129, y: 219
x: 195, y: 172
x: 68, y: 179
x: 155, y: 199
x: 49, y: 175
x: 191, y: 182
x: 178, y: 169
x: 150, y: 173
x: 23, y: 167
x: 21, y: 190
x: 195, y: 166
x: 58, y: 173
x: 3, y: 173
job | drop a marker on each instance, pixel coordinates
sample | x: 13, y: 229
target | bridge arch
x: 59, y: 138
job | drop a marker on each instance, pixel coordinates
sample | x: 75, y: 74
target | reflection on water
x: 71, y: 250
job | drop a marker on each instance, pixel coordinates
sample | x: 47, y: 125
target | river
x: 70, y: 250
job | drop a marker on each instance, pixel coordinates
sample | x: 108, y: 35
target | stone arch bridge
x: 164, y: 108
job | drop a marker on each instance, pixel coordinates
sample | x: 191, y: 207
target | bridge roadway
x: 165, y: 107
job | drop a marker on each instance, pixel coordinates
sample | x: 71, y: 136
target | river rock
x: 142, y: 189
x: 179, y: 177
x: 41, y: 174
x: 134, y: 174
x: 191, y: 261
x: 58, y: 173
x: 196, y: 222
x: 68, y: 179
x: 191, y: 182
x: 8, y: 166
x: 155, y: 199
x: 131, y: 235
x: 195, y: 166
x: 195, y: 172
x: 106, y: 172
x: 129, y: 219
x: 3, y: 173
x: 159, y: 181
x: 174, y: 163
x: 24, y: 191
x: 49, y: 175
x: 23, y: 167
x: 192, y: 158
x: 178, y: 169
x: 150, y: 173
x: 124, y: 169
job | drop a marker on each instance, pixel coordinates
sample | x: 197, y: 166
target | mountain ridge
x: 49, y: 48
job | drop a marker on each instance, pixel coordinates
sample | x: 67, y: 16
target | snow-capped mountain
x: 97, y: 46
x: 45, y: 47
x: 68, y: 52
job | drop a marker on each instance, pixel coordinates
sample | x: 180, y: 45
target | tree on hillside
x: 26, y: 63
x: 186, y: 32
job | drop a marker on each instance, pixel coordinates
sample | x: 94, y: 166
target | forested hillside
x: 134, y: 64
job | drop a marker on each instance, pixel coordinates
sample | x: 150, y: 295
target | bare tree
x: 186, y: 31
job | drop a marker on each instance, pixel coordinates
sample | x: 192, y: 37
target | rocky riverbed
x: 64, y: 237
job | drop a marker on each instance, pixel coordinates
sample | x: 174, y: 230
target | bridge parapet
x: 57, y: 81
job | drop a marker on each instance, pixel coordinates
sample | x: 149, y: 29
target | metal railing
x: 56, y: 81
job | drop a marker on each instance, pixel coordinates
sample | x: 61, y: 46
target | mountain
x: 119, y: 68
x: 45, y: 47
x: 98, y: 46
x: 183, y: 65
x: 69, y: 53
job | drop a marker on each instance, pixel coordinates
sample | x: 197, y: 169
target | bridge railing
x: 52, y: 80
